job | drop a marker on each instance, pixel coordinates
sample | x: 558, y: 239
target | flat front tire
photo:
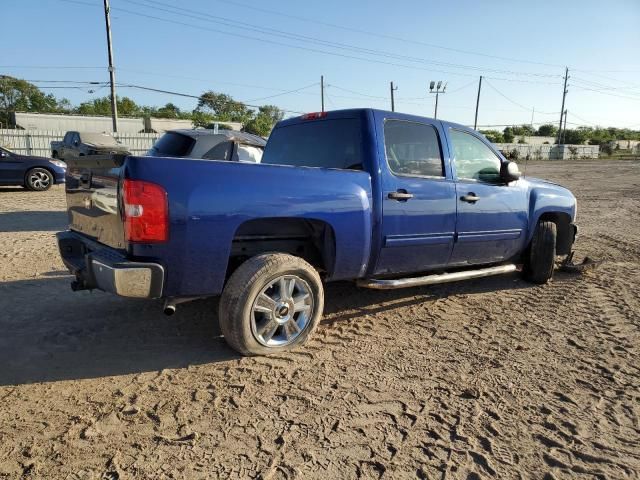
x: 541, y: 256
x: 271, y: 303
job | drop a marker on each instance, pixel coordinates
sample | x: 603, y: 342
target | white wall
x: 80, y: 123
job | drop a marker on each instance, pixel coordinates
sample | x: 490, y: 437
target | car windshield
x: 98, y: 139
x: 5, y: 149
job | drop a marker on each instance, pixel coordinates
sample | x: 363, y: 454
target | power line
x: 271, y: 31
x: 602, y: 87
x: 580, y: 87
x: 528, y: 109
x: 390, y: 37
x: 284, y: 93
x: 584, y: 120
x: 188, y: 95
x: 356, y: 93
x: 311, y: 39
x: 51, y: 67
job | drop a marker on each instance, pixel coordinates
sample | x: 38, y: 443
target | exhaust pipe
x: 171, y: 304
x: 169, y: 308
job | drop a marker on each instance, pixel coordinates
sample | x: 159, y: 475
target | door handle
x: 470, y: 198
x: 400, y: 195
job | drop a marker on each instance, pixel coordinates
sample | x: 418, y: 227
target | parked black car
x: 80, y: 144
x: 34, y: 173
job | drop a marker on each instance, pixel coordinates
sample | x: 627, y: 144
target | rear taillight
x: 146, y: 213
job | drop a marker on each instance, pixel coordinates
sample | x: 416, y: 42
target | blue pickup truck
x: 385, y: 199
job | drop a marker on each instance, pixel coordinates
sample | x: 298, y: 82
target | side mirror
x: 76, y: 143
x: 3, y: 154
x: 510, y: 171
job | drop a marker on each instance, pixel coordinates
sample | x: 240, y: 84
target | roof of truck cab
x: 352, y: 112
x: 242, y: 137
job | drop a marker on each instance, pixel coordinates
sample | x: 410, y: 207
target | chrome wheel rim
x: 39, y: 180
x: 281, y: 311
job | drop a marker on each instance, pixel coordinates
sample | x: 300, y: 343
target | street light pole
x: 112, y: 70
x: 393, y: 103
x: 438, y: 91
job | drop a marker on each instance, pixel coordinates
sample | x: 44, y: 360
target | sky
x: 274, y: 52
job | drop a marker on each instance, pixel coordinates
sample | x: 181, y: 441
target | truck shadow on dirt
x: 29, y: 221
x: 51, y: 333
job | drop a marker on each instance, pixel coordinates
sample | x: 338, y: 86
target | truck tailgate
x: 92, y: 198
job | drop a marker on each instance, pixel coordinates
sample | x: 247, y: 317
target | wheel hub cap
x: 281, y: 311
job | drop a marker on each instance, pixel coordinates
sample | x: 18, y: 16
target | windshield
x: 172, y: 144
x: 98, y: 139
x: 249, y: 154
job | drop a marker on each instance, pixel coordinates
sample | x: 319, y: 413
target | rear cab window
x: 172, y: 144
x: 329, y: 143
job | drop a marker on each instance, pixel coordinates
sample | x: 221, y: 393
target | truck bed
x: 206, y: 211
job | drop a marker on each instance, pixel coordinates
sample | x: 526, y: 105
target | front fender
x: 548, y: 198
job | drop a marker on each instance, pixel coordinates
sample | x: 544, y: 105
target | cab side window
x: 413, y: 149
x: 473, y: 160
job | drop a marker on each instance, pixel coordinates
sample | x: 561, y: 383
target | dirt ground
x: 494, y: 378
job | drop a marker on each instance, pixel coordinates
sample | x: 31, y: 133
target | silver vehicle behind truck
x: 79, y: 144
x: 209, y: 144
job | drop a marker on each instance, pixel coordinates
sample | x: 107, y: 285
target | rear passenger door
x: 418, y: 197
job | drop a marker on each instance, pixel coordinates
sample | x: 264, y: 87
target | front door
x: 419, y: 198
x: 492, y: 215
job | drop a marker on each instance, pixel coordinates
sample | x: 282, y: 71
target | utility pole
x: 564, y: 130
x: 533, y: 112
x: 564, y: 94
x: 112, y: 71
x: 322, y: 91
x: 433, y: 85
x: 475, y: 122
x: 393, y: 104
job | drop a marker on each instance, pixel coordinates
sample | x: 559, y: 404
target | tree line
x: 572, y: 136
x: 17, y: 95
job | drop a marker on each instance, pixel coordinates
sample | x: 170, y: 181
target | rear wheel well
x: 310, y: 239
x: 564, y: 239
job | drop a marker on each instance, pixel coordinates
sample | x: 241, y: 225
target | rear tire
x: 270, y: 304
x: 541, y: 256
x: 38, y: 179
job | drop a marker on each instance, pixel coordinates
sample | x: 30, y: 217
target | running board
x: 435, y: 279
